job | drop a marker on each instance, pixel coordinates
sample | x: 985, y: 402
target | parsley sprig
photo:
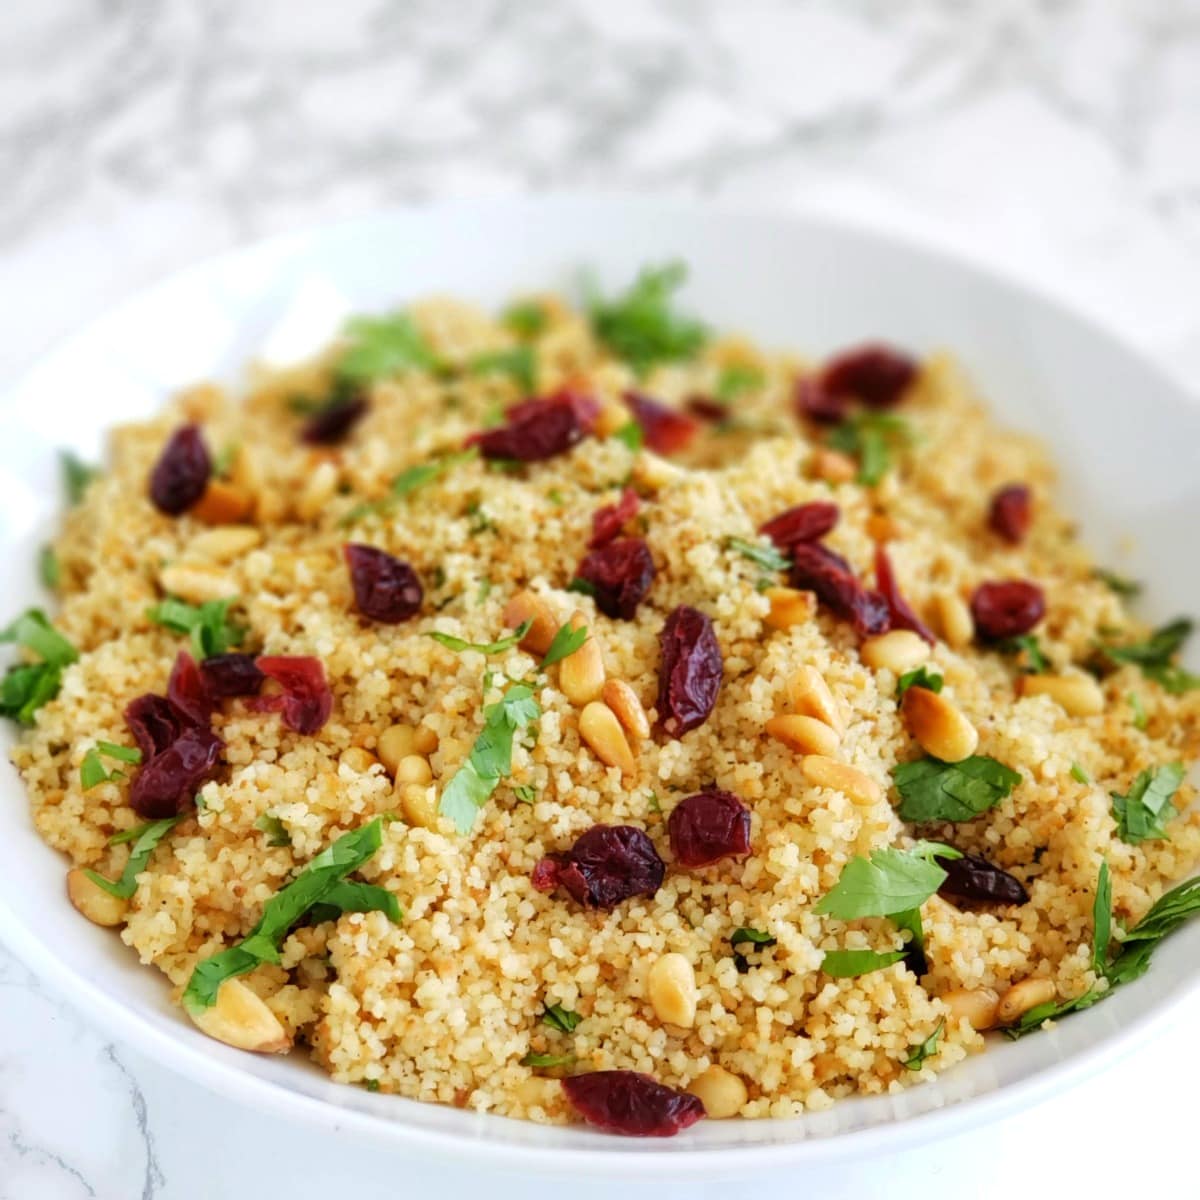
x: 499, y: 646
x: 92, y: 770
x: 207, y: 625
x: 871, y: 437
x: 1140, y: 814
x: 27, y: 686
x: 379, y: 347
x: 145, y: 839
x: 410, y: 480
x: 1154, y: 656
x: 931, y: 790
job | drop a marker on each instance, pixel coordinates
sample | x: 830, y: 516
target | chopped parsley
x: 653, y: 803
x: 497, y: 647
x: 223, y: 463
x: 274, y: 828
x: 1140, y: 717
x: 208, y: 624
x: 372, y: 1085
x: 566, y: 641
x: 1141, y: 812
x: 480, y: 521
x: 548, y: 1060
x: 927, y: 1049
x: 408, y: 481
x: 519, y: 363
x: 320, y: 883
x: 27, y: 686
x: 526, y: 318
x: 736, y: 380
x: 640, y: 326
x: 1034, y: 661
x: 49, y: 570
x: 766, y: 557
x: 562, y: 1019
x: 525, y: 793
x: 76, y: 476
x: 632, y: 434
x: 931, y: 790
x: 379, y: 347
x: 1154, y: 656
x: 93, y: 771
x: 1079, y: 774
x: 870, y: 438
x: 491, y: 756
x: 584, y: 587
x: 145, y: 838
x: 744, y: 935
x: 920, y: 677
x: 849, y: 964
x: 1117, y: 583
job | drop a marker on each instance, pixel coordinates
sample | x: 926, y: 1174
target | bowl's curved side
x: 807, y: 282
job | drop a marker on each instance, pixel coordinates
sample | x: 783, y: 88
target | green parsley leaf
x: 481, y: 522
x: 653, y: 803
x: 526, y: 318
x: 1102, y: 920
x: 49, y: 570
x: 525, y: 793
x: 281, y: 912
x: 497, y: 647
x: 548, y: 1060
x: 350, y: 896
x: 756, y: 937
x: 1117, y: 583
x: 1035, y: 662
x: 92, y: 771
x: 640, y: 327
x: 1140, y: 717
x: 27, y: 686
x: 920, y: 677
x: 145, y: 839
x: 274, y: 828
x: 372, y: 1085
x: 1141, y: 812
x: 632, y: 434
x: 1164, y: 917
x: 208, y: 624
x: 556, y: 497
x: 766, y: 557
x: 408, y: 481
x: 566, y: 641
x: 223, y: 463
x: 584, y: 587
x: 562, y: 1019
x: 891, y: 881
x: 870, y: 437
x: 849, y: 964
x: 1079, y: 774
x: 931, y: 790
x: 491, y: 756
x: 379, y: 347
x: 736, y: 380
x: 927, y: 1049
x: 32, y: 631
x: 1154, y: 656
x: 125, y: 754
x: 519, y: 363
x: 76, y: 476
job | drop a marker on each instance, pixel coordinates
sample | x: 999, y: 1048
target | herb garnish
x: 548, y: 1060
x: 584, y: 587
x: 27, y: 686
x: 208, y: 624
x: 1141, y: 812
x: 849, y: 964
x: 736, y: 380
x: 931, y: 790
x: 632, y: 434
x: 518, y: 363
x: 927, y: 1049
x: 491, y: 756
x: 93, y: 771
x: 274, y: 828
x: 1140, y: 717
x: 497, y: 647
x: 525, y: 793
x: 1035, y: 662
x: 640, y: 327
x: 320, y: 883
x: 382, y: 346
x: 76, y: 476
x: 566, y: 641
x: 1154, y: 656
x: 407, y: 482
x: 49, y: 570
x: 1117, y: 583
x: 766, y: 557
x: 920, y: 677
x: 145, y: 838
x: 1079, y: 774
x: 562, y: 1019
x: 526, y: 318
x: 744, y: 935
x: 870, y: 437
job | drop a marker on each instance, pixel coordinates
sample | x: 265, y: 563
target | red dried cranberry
x: 165, y: 784
x: 974, y: 878
x: 228, y: 675
x: 631, y: 1103
x: 803, y: 523
x: 1007, y: 609
x: 385, y: 588
x: 1011, y: 512
x: 689, y: 676
x: 819, y: 569
x: 534, y: 430
x: 875, y: 374
x: 332, y: 423
x: 181, y: 473
x: 608, y: 521
x: 306, y: 700
x: 155, y: 724
x: 667, y: 430
x: 902, y: 615
x: 187, y: 691
x: 707, y: 409
x: 585, y: 407
x: 607, y: 864
x: 708, y: 827
x: 620, y: 574
x: 814, y: 403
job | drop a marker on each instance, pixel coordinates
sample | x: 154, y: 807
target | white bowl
x: 1126, y: 436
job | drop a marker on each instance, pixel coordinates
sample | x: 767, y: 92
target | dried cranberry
x: 166, y: 783
x: 231, y: 675
x: 181, y: 473
x: 820, y: 570
x: 535, y: 430
x: 814, y: 403
x: 803, y: 523
x: 1007, y: 609
x: 631, y: 1103
x: 155, y: 724
x: 187, y: 691
x: 607, y: 864
x: 875, y: 374
x: 902, y: 615
x: 1011, y: 512
x: 608, y: 521
x: 620, y: 574
x: 689, y: 676
x: 708, y: 827
x: 974, y: 878
x: 385, y: 588
x: 333, y: 422
x: 707, y: 409
x: 306, y: 700
x: 667, y: 430
x: 585, y: 407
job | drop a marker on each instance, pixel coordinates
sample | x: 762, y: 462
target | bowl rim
x: 612, y: 1157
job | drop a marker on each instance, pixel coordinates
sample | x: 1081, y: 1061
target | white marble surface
x: 1059, y: 139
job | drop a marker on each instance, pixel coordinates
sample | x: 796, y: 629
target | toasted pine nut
x: 414, y: 768
x: 358, y: 759
x: 722, y: 1093
x: 624, y: 702
x: 1022, y: 997
x: 599, y: 727
x: 977, y: 1006
x: 525, y: 606
x: 832, y: 465
x: 581, y: 675
x: 196, y: 582
x: 418, y: 803
x: 898, y: 651
x: 955, y: 620
x: 671, y: 986
x: 939, y: 725
x: 318, y: 491
x: 90, y: 899
x: 652, y: 472
x: 222, y: 504
x: 808, y: 693
x: 425, y: 740
x: 395, y: 743
x: 225, y: 542
x: 789, y: 606
x: 805, y: 735
x: 241, y: 1018
x: 828, y: 772
x: 1078, y: 695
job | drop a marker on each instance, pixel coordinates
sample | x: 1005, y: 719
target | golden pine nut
x: 358, y: 759
x: 418, y: 803
x: 90, y: 899
x: 425, y: 740
x: 395, y: 743
x: 1077, y: 695
x: 318, y: 491
x: 939, y: 725
x: 808, y: 693
x: 955, y: 620
x: 225, y: 542
x: 196, y: 582
x: 789, y: 606
x: 241, y: 1018
x: 828, y: 772
x: 414, y: 768
x: 898, y: 651
x: 599, y: 727
x: 805, y: 735
x: 581, y: 675
x: 977, y: 1006
x: 1022, y: 997
x: 624, y: 702
x: 832, y: 465
x: 722, y: 1093
x: 525, y: 606
x: 671, y: 986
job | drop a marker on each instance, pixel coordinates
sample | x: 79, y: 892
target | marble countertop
x: 1059, y: 139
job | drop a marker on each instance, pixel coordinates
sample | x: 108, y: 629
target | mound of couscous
x: 575, y: 713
